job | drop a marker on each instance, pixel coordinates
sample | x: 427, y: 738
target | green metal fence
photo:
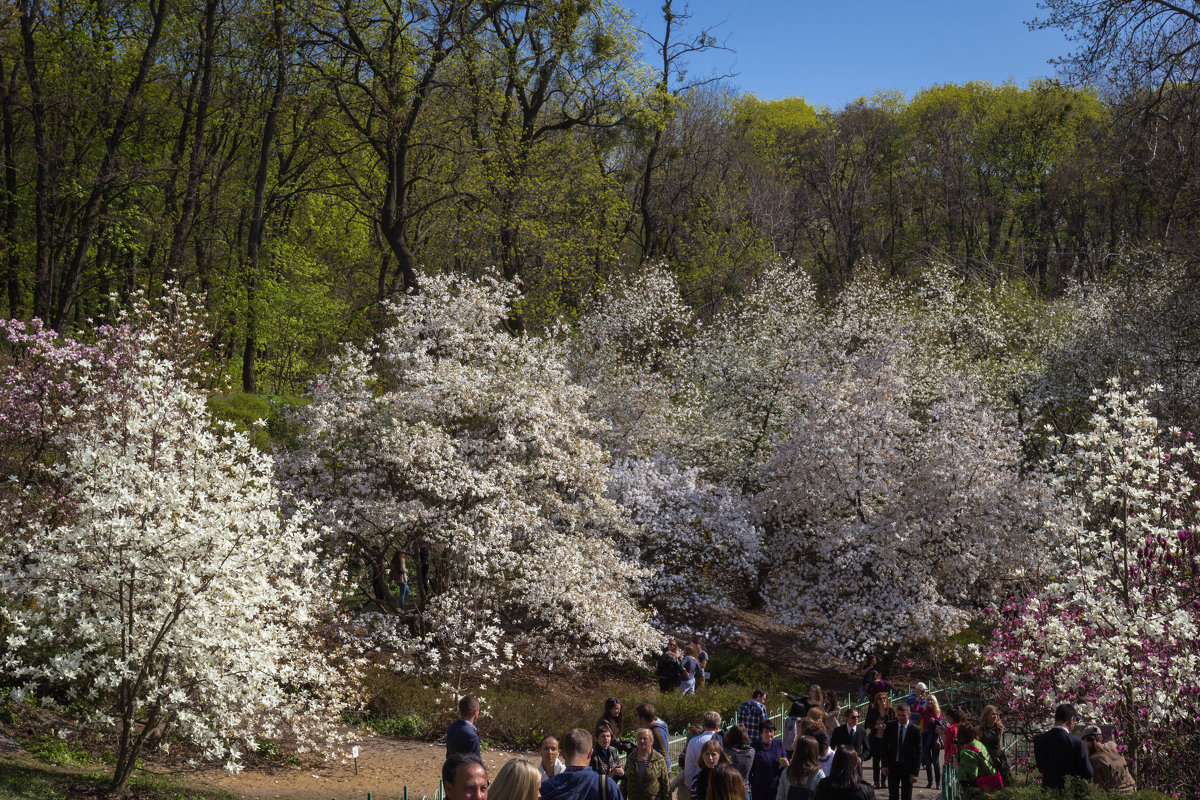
x: 403, y: 795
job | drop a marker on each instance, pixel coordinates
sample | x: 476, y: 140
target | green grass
x: 243, y: 410
x: 519, y: 715
x: 56, y: 751
x: 20, y: 780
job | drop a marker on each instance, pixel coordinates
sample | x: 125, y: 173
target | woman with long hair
x: 845, y: 781
x: 726, y: 783
x: 612, y: 717
x: 803, y: 774
x: 931, y: 746
x: 518, y: 779
x: 712, y: 753
x: 645, y: 773
x: 973, y: 759
x: 833, y: 711
x: 991, y: 733
x: 739, y: 751
x: 878, y: 715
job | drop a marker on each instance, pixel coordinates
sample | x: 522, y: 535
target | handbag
x: 989, y: 783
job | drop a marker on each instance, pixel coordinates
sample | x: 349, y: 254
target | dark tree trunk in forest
x: 196, y: 159
x: 12, y: 257
x: 89, y: 216
x: 257, y: 222
x: 43, y: 274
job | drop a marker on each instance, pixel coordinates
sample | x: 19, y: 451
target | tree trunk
x: 196, y: 160
x: 43, y: 274
x: 12, y: 258
x: 89, y: 218
x: 255, y: 238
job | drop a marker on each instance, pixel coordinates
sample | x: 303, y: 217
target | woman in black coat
x: 845, y: 781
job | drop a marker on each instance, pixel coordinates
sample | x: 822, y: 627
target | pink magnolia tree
x: 1114, y: 625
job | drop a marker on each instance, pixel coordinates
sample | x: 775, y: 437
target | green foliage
x: 245, y: 410
x: 520, y: 715
x: 1074, y: 790
x: 59, y: 752
x: 767, y: 125
x: 743, y: 669
x: 23, y: 781
x: 265, y: 747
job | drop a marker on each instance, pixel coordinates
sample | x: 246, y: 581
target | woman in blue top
x: 690, y: 666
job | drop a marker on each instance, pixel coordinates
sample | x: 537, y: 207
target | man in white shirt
x: 691, y: 758
x: 851, y: 733
x: 901, y: 753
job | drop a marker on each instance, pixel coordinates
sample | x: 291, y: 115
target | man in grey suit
x: 1058, y: 753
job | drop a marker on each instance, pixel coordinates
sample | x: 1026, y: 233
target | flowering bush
x: 171, y: 599
x: 1115, y: 625
x: 467, y: 450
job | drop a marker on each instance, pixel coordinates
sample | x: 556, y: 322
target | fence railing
x: 403, y: 795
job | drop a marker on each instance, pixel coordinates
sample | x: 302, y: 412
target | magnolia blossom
x: 467, y: 450
x: 625, y: 352
x: 699, y: 541
x: 173, y: 600
x: 895, y: 502
x: 1115, y: 624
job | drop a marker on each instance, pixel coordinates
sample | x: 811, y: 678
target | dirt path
x: 385, y: 767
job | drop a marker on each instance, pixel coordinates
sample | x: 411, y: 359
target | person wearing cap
x: 1058, y: 753
x: 1109, y: 770
x: 916, y: 700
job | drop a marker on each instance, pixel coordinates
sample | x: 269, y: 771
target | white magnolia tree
x: 738, y: 373
x: 467, y: 450
x: 698, y: 541
x: 625, y: 352
x: 174, y: 599
x: 895, y: 502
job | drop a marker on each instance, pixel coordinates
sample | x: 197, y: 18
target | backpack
x: 791, y: 727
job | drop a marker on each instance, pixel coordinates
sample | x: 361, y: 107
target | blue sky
x: 834, y: 51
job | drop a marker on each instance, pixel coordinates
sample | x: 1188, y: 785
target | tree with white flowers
x: 466, y: 449
x: 895, y: 503
x: 173, y: 599
x: 699, y: 541
x: 1114, y: 625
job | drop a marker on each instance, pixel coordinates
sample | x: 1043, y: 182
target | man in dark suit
x: 461, y: 736
x: 1058, y: 753
x: 901, y: 753
x: 853, y: 734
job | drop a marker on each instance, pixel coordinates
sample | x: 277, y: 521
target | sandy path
x: 385, y: 767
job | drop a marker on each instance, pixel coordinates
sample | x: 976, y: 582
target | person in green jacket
x: 973, y: 759
x: 646, y: 771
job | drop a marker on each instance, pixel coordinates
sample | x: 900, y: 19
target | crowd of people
x: 823, y: 752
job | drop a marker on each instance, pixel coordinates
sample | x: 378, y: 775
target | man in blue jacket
x: 461, y: 736
x: 1058, y: 753
x: 579, y: 781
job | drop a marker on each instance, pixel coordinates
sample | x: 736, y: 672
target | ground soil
x: 385, y: 766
